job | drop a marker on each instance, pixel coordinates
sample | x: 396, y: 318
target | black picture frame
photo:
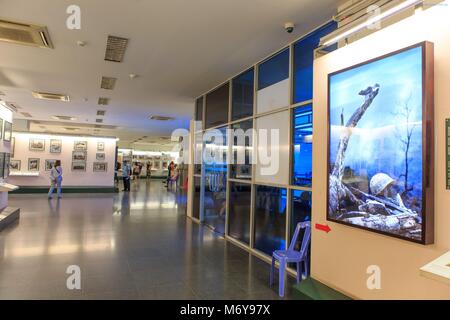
x: 7, y: 131
x: 19, y: 165
x: 33, y: 141
x: 55, y: 146
x: 35, y: 168
x: 79, y: 166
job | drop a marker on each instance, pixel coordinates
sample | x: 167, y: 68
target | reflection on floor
x: 128, y: 246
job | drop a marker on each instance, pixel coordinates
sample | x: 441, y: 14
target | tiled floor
x: 128, y: 246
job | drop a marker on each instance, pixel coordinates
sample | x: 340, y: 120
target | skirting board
x: 70, y: 189
x: 8, y: 216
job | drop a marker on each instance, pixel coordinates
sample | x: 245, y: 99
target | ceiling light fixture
x: 371, y: 21
x: 50, y: 96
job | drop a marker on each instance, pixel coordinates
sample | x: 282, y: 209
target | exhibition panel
x: 239, y: 211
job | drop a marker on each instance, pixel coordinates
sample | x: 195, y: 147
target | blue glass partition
x: 239, y: 211
x: 199, y: 109
x: 242, y: 103
x: 274, y: 70
x: 217, y: 104
x: 270, y: 219
x: 303, y: 62
x: 302, y: 146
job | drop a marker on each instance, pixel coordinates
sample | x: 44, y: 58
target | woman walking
x: 55, y: 179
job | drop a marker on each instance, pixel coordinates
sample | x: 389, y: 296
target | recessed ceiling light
x: 133, y: 76
x: 81, y: 43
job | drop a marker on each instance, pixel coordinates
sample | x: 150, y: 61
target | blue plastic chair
x: 292, y: 256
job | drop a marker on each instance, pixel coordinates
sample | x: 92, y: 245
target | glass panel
x: 270, y: 219
x: 242, y: 149
x: 239, y: 211
x: 215, y: 181
x: 243, y: 87
x: 199, y: 109
x: 196, y: 202
x: 198, y: 153
x: 274, y: 70
x: 302, y: 148
x: 303, y: 62
x: 217, y: 103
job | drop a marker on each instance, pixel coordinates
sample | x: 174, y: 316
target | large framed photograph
x: 100, y: 156
x: 79, y: 166
x: 80, y: 145
x: 100, y: 146
x: 7, y: 131
x: 33, y: 164
x: 55, y: 146
x: 49, y: 163
x: 100, y: 166
x: 79, y: 155
x: 15, y: 165
x: 381, y: 133
x: 37, y: 144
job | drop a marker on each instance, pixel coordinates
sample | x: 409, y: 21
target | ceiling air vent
x: 11, y: 106
x: 24, y: 33
x: 51, y: 96
x: 101, y: 113
x: 99, y: 120
x: 71, y: 129
x: 108, y: 83
x: 64, y: 118
x: 115, y: 48
x: 2, y: 93
x: 103, y: 101
x: 26, y: 114
x: 161, y: 118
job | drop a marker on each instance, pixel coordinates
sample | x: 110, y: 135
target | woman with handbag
x: 55, y: 179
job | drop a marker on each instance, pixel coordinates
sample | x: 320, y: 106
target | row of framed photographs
x: 82, y: 156
x: 34, y: 165
x: 5, y: 130
x: 38, y: 144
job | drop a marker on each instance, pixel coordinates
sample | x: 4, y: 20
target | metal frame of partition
x: 289, y: 187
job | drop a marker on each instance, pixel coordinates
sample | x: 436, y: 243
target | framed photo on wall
x: 15, y: 165
x: 380, y: 146
x: 80, y: 146
x: 55, y: 146
x: 7, y: 131
x: 33, y: 164
x: 79, y: 166
x: 37, y: 144
x: 79, y: 155
x: 100, y: 166
x: 13, y: 146
x: 6, y: 165
x: 2, y: 164
x: 1, y: 128
x: 100, y: 146
x: 100, y: 156
x: 49, y: 164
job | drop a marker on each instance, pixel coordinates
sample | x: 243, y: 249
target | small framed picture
x: 7, y: 131
x: 6, y: 165
x: 1, y: 128
x: 100, y: 157
x: 80, y: 145
x: 14, y: 165
x: 2, y: 164
x: 79, y: 156
x: 100, y: 146
x: 37, y: 145
x: 100, y: 166
x: 79, y: 166
x: 55, y: 146
x: 33, y: 164
x: 13, y: 145
x: 49, y: 164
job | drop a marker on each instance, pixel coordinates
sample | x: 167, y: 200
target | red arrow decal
x: 323, y: 227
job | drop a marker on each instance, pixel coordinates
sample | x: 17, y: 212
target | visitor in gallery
x: 149, y: 170
x: 126, y: 174
x: 55, y: 179
x: 136, y: 171
x: 169, y: 174
x: 116, y: 172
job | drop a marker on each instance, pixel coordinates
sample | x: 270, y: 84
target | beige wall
x: 340, y: 258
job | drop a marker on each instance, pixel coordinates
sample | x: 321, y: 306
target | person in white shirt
x: 55, y: 179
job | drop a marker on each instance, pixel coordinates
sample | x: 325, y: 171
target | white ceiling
x: 179, y: 49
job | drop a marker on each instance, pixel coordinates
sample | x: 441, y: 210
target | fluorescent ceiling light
x: 402, y: 6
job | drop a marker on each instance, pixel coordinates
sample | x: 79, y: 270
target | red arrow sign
x: 323, y: 227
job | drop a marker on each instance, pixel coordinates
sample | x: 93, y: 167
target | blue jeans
x: 56, y: 184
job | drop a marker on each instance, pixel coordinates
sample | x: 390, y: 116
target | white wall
x: 340, y: 258
x: 273, y: 97
x: 5, y: 147
x: 84, y: 179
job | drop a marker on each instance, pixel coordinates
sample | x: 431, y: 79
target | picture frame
x: 80, y: 146
x: 36, y: 144
x: 79, y: 156
x: 2, y: 164
x: 1, y: 128
x: 55, y: 146
x: 33, y: 164
x: 79, y: 166
x: 100, y: 167
x: 100, y: 146
x: 100, y: 156
x: 49, y: 164
x: 7, y: 131
x: 372, y: 183
x: 6, y: 165
x: 13, y: 146
x: 15, y: 165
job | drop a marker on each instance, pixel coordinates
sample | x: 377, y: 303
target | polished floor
x: 128, y: 246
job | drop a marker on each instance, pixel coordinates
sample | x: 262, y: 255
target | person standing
x: 55, y: 179
x: 126, y: 173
